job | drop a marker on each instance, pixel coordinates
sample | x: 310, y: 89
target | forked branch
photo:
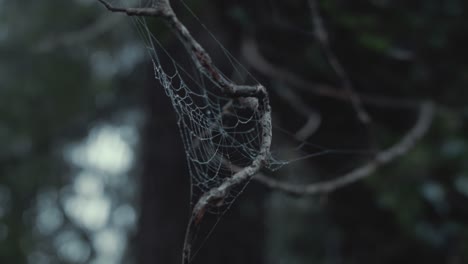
x: 403, y: 146
x: 253, y: 56
x: 255, y: 95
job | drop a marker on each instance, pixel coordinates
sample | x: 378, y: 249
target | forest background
x: 93, y: 170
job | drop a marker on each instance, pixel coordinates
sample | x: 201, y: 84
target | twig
x: 252, y: 96
x: 322, y: 37
x: 258, y: 62
x: 297, y: 103
x: 403, y: 146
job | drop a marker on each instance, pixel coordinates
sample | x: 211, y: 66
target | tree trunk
x: 164, y: 183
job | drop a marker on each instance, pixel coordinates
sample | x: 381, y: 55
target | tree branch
x: 322, y: 36
x: 255, y: 95
x: 313, y: 119
x: 253, y: 56
x: 403, y: 146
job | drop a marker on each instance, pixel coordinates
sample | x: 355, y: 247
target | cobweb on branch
x: 219, y: 133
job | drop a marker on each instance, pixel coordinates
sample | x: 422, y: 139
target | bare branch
x: 297, y: 103
x: 200, y: 57
x: 403, y: 146
x: 258, y: 62
x: 322, y: 37
x: 258, y: 93
x: 158, y: 10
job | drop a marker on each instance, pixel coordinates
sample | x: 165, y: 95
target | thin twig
x: 403, y: 146
x: 250, y: 94
x: 313, y: 119
x: 322, y: 36
x: 253, y: 56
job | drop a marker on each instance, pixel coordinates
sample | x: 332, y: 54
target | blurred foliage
x: 52, y: 93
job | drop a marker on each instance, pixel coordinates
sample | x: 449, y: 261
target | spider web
x: 220, y: 135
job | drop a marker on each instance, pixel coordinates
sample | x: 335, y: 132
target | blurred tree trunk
x: 164, y: 183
